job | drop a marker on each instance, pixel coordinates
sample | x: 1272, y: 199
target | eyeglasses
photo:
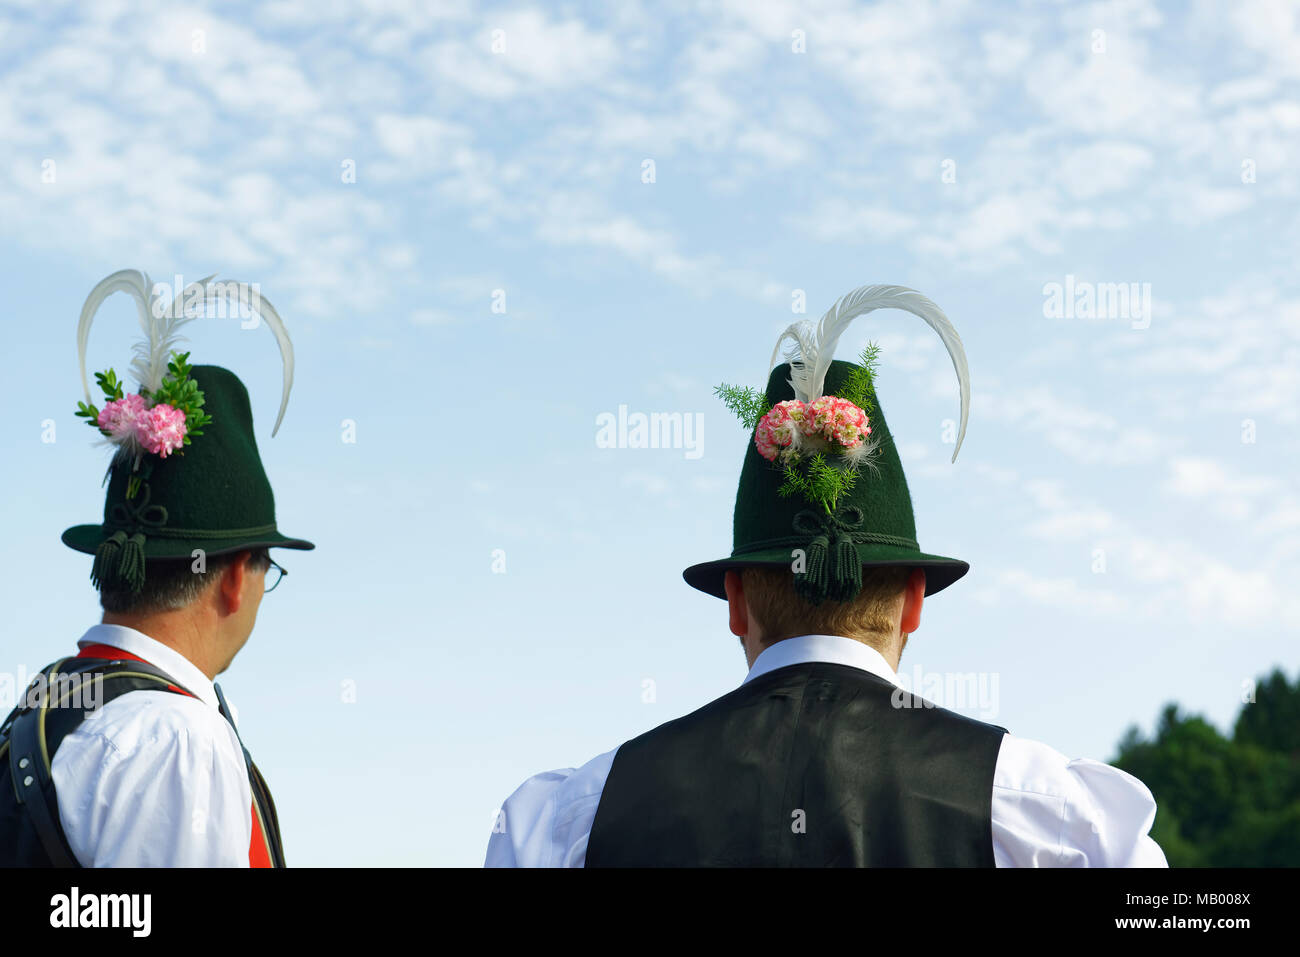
x: 274, y: 575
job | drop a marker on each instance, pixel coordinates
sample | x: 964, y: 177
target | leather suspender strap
x: 29, y: 758
x: 270, y: 827
x: 33, y: 786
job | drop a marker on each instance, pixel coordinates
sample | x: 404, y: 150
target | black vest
x: 812, y: 765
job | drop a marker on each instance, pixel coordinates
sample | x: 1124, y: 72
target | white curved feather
x: 162, y: 336
x: 260, y: 307
x: 161, y: 326
x: 130, y: 281
x: 812, y: 360
x: 802, y: 343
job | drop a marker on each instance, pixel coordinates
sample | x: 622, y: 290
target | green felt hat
x: 214, y: 495
x: 872, y: 524
x: 186, y: 474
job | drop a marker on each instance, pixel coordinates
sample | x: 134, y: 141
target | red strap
x: 259, y: 848
x: 259, y: 853
x: 116, y: 654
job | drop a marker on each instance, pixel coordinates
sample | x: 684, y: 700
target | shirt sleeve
x: 521, y: 832
x: 547, y: 821
x: 160, y: 785
x: 1053, y: 811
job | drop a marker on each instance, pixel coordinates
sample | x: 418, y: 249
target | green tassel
x: 119, y: 560
x: 813, y: 584
x: 106, y: 560
x: 848, y: 571
x: 832, y: 569
x: 131, y: 567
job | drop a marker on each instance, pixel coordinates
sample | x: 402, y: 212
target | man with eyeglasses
x: 156, y: 778
x: 150, y: 770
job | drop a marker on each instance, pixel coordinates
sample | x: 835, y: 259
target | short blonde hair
x: 781, y: 613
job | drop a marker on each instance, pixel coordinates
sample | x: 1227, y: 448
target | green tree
x: 1225, y: 802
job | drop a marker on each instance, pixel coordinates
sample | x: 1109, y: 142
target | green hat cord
x: 119, y: 560
x: 832, y: 569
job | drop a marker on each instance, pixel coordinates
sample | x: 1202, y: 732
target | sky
x: 487, y: 226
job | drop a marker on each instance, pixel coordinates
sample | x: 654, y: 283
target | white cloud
x: 1073, y: 525
x: 1236, y: 351
x: 1271, y: 27
x: 843, y: 221
x: 1063, y: 594
x: 998, y: 230
x: 1241, y: 89
x: 1201, y: 204
x: 422, y: 139
x: 1085, y: 433
x: 1225, y: 493
x: 1005, y: 53
x: 1199, y: 585
x: 523, y: 53
x: 646, y: 482
x: 1198, y: 478
x: 1103, y: 167
x: 432, y: 317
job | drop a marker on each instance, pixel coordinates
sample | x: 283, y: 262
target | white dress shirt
x: 154, y: 778
x: 1048, y: 810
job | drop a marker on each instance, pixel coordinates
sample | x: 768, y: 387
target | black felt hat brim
x: 87, y: 538
x: 940, y: 572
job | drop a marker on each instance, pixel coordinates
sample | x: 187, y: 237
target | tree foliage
x: 1225, y: 801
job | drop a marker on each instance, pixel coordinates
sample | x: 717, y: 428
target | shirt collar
x: 156, y: 653
x: 829, y: 648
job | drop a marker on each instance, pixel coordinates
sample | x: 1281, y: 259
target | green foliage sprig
x: 748, y: 404
x: 860, y: 387
x: 112, y: 389
x: 820, y: 480
x: 181, y: 392
x: 823, y: 483
x: 177, y: 390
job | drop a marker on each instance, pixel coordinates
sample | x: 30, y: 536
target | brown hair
x: 781, y: 613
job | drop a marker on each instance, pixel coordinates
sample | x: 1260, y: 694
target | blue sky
x: 1125, y: 494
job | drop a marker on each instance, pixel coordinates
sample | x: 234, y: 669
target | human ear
x: 232, y: 582
x: 738, y: 611
x: 913, y: 598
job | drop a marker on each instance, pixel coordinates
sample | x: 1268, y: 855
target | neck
x: 180, y: 631
x: 891, y: 648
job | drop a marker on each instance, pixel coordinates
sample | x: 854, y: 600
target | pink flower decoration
x: 162, y: 430
x: 829, y: 417
x: 122, y: 416
x: 839, y: 420
x: 775, y: 430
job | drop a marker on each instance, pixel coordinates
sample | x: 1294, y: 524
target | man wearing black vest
x: 819, y: 758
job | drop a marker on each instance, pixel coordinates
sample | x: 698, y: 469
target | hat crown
x: 217, y: 483
x: 763, y: 518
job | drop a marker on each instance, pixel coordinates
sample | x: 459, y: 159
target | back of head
x: 780, y: 612
x: 173, y: 584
